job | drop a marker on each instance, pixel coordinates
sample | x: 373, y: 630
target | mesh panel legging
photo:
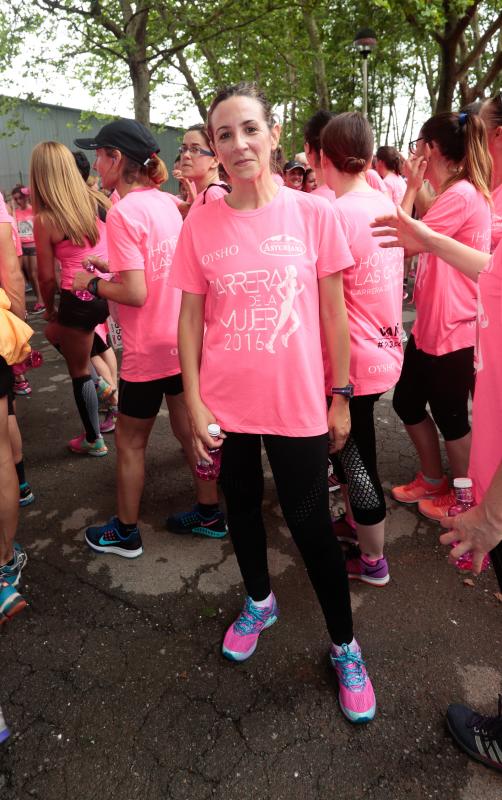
x: 356, y: 464
x: 299, y: 466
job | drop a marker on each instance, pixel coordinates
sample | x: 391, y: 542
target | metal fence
x: 39, y: 122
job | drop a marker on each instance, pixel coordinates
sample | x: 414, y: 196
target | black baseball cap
x: 289, y: 165
x: 130, y: 137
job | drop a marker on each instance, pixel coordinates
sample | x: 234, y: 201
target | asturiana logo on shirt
x: 282, y: 245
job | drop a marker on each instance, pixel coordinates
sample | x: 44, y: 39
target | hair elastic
x: 462, y: 118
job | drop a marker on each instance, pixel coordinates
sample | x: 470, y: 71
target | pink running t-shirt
x: 262, y: 369
x: 24, y: 222
x: 325, y: 191
x: 486, y: 447
x: 496, y: 216
x: 374, y: 180
x: 396, y: 187
x: 213, y: 192
x: 373, y: 290
x: 446, y: 300
x: 71, y: 255
x: 142, y: 233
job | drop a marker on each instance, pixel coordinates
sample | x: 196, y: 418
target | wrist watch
x: 345, y: 391
x: 92, y: 286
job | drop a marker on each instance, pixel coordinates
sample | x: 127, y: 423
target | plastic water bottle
x: 205, y: 470
x: 464, y: 499
x: 34, y: 360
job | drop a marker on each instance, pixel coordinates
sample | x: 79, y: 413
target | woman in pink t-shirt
x: 491, y: 114
x: 452, y: 153
x: 255, y: 266
x: 23, y: 216
x: 142, y: 231
x: 67, y: 227
x: 388, y: 166
x: 312, y: 145
x: 199, y: 169
x: 373, y: 296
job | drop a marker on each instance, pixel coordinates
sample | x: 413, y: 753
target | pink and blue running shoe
x: 242, y: 637
x: 356, y: 695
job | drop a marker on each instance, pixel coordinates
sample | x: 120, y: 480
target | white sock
x: 353, y: 647
x: 263, y: 603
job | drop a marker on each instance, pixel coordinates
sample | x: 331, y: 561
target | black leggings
x: 444, y: 382
x: 356, y: 464
x: 300, y: 474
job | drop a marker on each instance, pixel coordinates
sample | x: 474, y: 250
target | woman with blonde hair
x: 69, y: 226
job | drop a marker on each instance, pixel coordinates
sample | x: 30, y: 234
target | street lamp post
x: 364, y: 42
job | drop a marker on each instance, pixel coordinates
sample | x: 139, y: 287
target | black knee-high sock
x: 87, y: 404
x: 20, y: 472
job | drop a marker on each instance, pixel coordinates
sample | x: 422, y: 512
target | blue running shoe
x: 107, y: 539
x: 11, y: 573
x: 11, y: 602
x: 26, y: 496
x: 4, y: 731
x: 242, y: 636
x: 193, y: 521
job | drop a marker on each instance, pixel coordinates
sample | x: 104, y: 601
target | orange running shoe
x: 437, y: 508
x: 419, y: 489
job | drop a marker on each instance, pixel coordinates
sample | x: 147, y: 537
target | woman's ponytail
x: 156, y: 170
x: 477, y: 166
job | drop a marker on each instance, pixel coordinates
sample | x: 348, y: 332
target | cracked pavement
x: 112, y: 681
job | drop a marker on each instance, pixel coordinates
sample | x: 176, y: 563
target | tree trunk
x: 191, y: 84
x: 318, y: 65
x: 140, y: 79
x: 447, y: 75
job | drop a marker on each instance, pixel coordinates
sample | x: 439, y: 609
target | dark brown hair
x: 390, y: 157
x: 243, y: 89
x: 461, y: 138
x: 347, y: 140
x: 201, y: 128
x: 494, y: 108
x: 313, y: 129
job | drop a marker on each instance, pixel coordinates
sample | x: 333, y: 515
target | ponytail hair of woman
x: 390, y: 158
x: 347, y: 141
x: 462, y: 139
x: 152, y: 173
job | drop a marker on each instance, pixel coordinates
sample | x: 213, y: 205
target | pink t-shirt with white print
x: 325, y: 191
x: 142, y: 231
x: 486, y: 447
x: 24, y: 222
x: 496, y: 216
x: 396, y: 187
x: 373, y: 290
x: 446, y: 300
x: 72, y: 255
x: 262, y: 368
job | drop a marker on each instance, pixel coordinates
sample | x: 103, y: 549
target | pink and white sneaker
x: 363, y: 569
x: 242, y: 636
x: 108, y: 424
x: 80, y: 445
x: 356, y: 695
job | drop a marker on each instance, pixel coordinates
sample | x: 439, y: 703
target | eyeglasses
x: 194, y: 150
x: 413, y: 144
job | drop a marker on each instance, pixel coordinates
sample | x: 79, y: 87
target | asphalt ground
x: 113, y: 684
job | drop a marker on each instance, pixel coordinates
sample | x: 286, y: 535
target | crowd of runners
x: 264, y: 303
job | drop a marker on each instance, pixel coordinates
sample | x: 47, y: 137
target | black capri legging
x: 300, y: 474
x: 443, y: 382
x: 356, y: 464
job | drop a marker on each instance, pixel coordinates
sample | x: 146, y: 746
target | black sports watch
x: 92, y: 286
x: 345, y: 391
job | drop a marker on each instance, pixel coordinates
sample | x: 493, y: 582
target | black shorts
x: 81, y: 314
x: 99, y: 346
x: 143, y: 399
x: 6, y: 379
x: 442, y: 382
x: 29, y: 249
